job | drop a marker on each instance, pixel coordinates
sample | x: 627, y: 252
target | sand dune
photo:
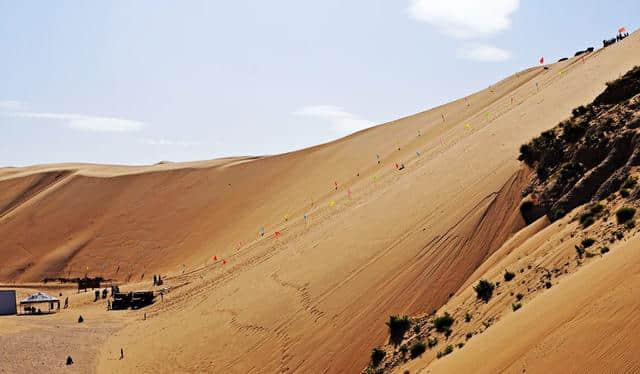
x: 315, y: 298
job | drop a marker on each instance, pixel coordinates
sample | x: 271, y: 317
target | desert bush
x: 587, y: 219
x: 604, y: 250
x: 588, y: 242
x: 557, y: 213
x: 625, y: 214
x: 443, y: 323
x: 547, y: 284
x: 467, y: 317
x: 516, y: 306
x: 579, y: 251
x: 624, y: 193
x: 432, y: 342
x: 377, y: 355
x: 417, y: 349
x: 484, y: 290
x: 397, y: 327
x: 596, y: 209
x: 404, y: 350
x: 579, y: 111
x: 519, y: 296
x: 469, y: 335
x: 571, y: 171
x: 630, y: 224
x: 448, y: 349
x: 528, y: 154
x: 630, y: 183
x: 508, y: 276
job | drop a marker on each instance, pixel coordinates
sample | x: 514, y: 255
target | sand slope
x: 315, y: 298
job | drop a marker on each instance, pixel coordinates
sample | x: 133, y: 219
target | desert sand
x: 356, y: 241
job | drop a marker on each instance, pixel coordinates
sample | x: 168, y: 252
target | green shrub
x: 624, y: 193
x: 597, y: 209
x: 443, y: 323
x: 516, y: 306
x: 508, y: 276
x: 630, y: 183
x: 587, y: 219
x: 397, y: 327
x: 448, y: 349
x: 484, y: 290
x: 417, y: 349
x: 377, y: 355
x: 588, y: 242
x: 416, y: 329
x: 604, y: 250
x: 625, y: 214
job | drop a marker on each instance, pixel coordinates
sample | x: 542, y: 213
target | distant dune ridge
x: 358, y: 240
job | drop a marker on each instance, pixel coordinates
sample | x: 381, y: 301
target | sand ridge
x: 315, y: 298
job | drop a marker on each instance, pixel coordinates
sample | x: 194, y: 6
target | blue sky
x: 137, y: 82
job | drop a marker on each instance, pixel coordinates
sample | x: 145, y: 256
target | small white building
x: 8, y: 302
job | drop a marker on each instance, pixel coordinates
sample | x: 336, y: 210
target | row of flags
x: 621, y: 30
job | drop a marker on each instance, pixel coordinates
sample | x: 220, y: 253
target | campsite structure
x: 29, y: 304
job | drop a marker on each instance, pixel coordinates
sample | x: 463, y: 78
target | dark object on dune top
x: 86, y: 283
x: 80, y: 319
x: 563, y: 59
x: 69, y: 360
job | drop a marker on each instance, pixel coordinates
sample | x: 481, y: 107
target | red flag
x: 621, y: 30
x: 541, y: 60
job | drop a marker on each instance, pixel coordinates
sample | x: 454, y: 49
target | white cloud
x: 483, y: 52
x: 465, y: 19
x: 168, y: 142
x: 12, y: 105
x: 84, y: 122
x: 341, y: 121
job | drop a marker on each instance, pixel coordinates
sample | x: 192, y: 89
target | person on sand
x: 66, y: 302
x: 121, y: 353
